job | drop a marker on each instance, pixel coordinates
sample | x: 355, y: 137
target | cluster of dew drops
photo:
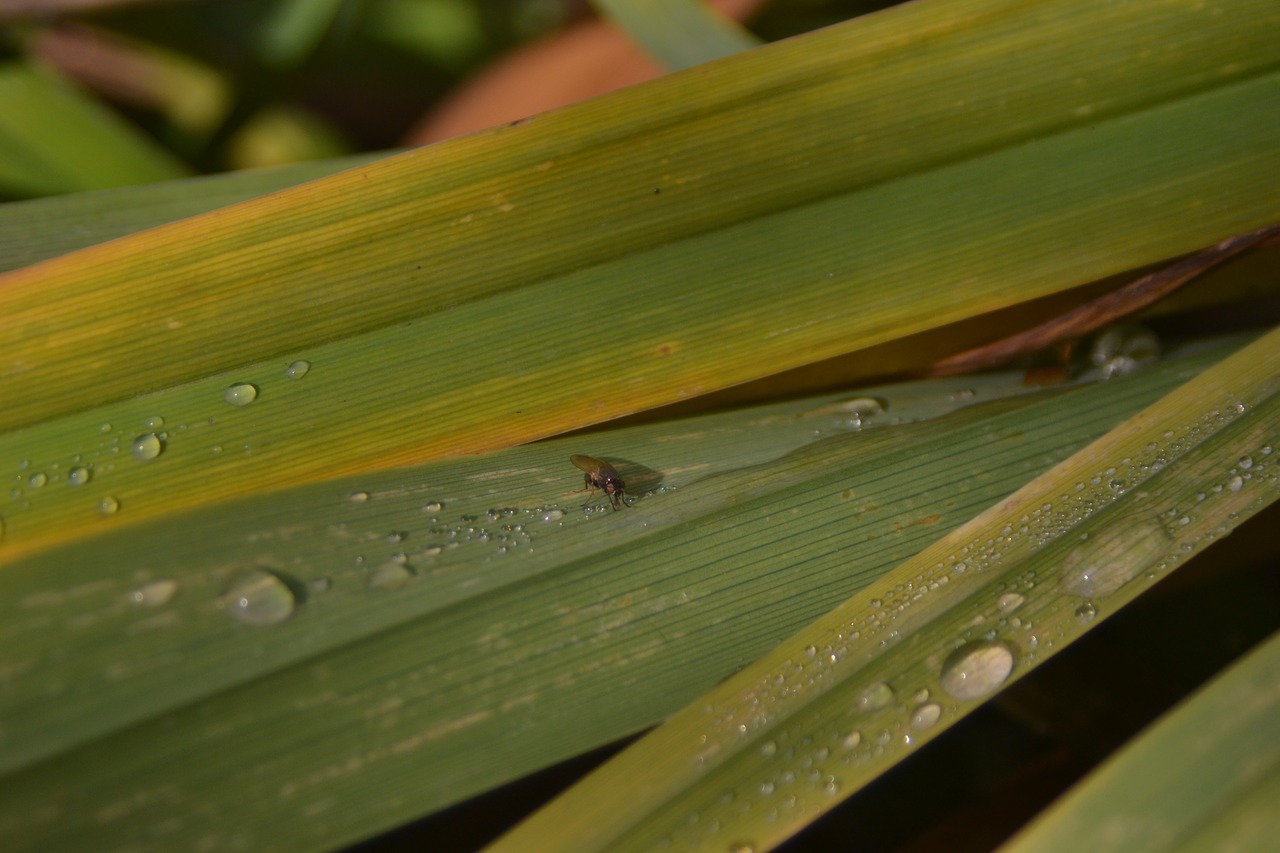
x: 262, y: 597
x: 148, y: 445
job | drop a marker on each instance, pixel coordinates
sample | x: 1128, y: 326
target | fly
x: 600, y: 475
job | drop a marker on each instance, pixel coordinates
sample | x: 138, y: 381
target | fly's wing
x: 587, y: 463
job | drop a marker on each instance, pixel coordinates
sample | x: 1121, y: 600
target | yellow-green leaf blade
x: 44, y: 228
x: 548, y: 357
x: 806, y: 120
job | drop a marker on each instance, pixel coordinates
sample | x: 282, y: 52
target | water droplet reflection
x: 259, y: 598
x: 241, y: 394
x: 977, y: 669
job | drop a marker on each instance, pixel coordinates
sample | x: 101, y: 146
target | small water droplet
x: 154, y: 594
x: 924, y: 716
x: 392, y: 574
x: 322, y: 584
x: 37, y: 480
x: 1235, y: 484
x: 259, y: 598
x: 153, y: 423
x: 147, y: 446
x: 976, y: 669
x: 1086, y: 613
x: 297, y: 370
x: 104, y: 428
x: 358, y: 497
x: 108, y: 505
x: 874, y: 697
x: 553, y: 515
x: 742, y: 847
x: 434, y: 506
x: 768, y: 748
x: 79, y: 475
x: 1010, y: 601
x: 241, y: 394
x: 852, y: 739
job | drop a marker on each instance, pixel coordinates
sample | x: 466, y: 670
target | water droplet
x: 1010, y: 601
x: 1086, y: 613
x: 976, y: 669
x: 108, y: 505
x: 553, y: 515
x: 742, y: 847
x: 37, y: 480
x: 852, y: 739
x: 1103, y: 564
x: 241, y: 394
x: 434, y: 506
x: 154, y: 594
x: 1235, y: 484
x: 358, y: 497
x: 1246, y: 462
x: 259, y: 598
x: 79, y: 475
x: 154, y: 423
x: 297, y: 370
x: 924, y: 716
x: 147, y: 446
x: 104, y: 428
x: 392, y: 574
x: 768, y: 748
x: 874, y: 697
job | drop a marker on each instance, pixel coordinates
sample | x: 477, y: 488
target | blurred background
x: 102, y: 93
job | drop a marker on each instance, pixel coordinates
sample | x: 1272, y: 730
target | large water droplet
x: 37, y: 480
x: 154, y: 594
x: 874, y: 697
x: 976, y: 669
x: 147, y: 446
x: 108, y: 505
x: 155, y: 423
x: 260, y: 598
x: 79, y: 475
x: 1099, y: 566
x: 391, y: 575
x: 241, y: 394
x: 297, y: 370
x: 553, y: 515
